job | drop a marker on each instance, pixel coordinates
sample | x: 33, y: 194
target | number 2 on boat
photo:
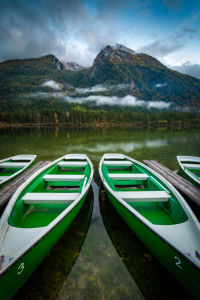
x: 178, y: 262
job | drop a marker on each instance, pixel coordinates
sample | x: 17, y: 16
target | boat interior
x: 12, y: 166
x: 50, y: 193
x: 192, y: 167
x: 143, y: 191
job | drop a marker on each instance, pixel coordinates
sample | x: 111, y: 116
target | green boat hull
x: 186, y: 273
x: 13, y: 279
x: 1, y: 185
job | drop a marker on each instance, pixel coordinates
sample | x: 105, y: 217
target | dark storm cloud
x: 188, y: 68
x: 186, y: 32
x: 69, y: 29
x: 162, y: 47
x: 170, y: 44
x: 172, y: 4
x: 76, y: 30
x: 142, y: 6
x: 34, y: 28
x: 190, y: 30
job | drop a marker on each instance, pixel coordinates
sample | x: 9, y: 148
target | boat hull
x: 186, y: 273
x: 13, y: 279
x: 13, y: 177
x: 189, y: 178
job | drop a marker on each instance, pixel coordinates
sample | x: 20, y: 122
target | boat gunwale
x: 148, y: 224
x: 185, y: 170
x: 46, y: 229
x: 21, y: 170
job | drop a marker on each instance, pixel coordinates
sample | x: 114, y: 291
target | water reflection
x: 49, y: 143
x: 56, y: 132
x: 154, y: 281
x: 122, y: 147
x: 48, y: 279
x: 99, y: 272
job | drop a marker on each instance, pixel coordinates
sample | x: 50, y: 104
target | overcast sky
x: 76, y: 30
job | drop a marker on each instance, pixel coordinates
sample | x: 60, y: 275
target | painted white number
x: 21, y: 268
x: 178, y: 262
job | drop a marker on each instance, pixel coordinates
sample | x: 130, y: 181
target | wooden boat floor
x: 64, y: 171
x: 153, y: 212
x: 117, y: 170
x: 41, y: 215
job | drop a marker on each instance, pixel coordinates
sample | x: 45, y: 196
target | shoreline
x: 101, y: 125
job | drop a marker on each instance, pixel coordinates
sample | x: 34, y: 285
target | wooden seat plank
x: 139, y: 176
x: 26, y: 158
x: 192, y: 166
x: 13, y: 165
x: 190, y: 159
x: 124, y: 163
x: 114, y: 156
x: 144, y: 196
x: 48, y: 198
x: 75, y: 156
x: 53, y: 177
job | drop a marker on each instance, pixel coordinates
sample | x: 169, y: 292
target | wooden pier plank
x: 181, y: 184
x: 175, y: 177
x: 8, y: 190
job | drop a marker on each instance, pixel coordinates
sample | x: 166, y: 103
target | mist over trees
x: 147, y: 78
x: 25, y: 99
x: 54, y: 112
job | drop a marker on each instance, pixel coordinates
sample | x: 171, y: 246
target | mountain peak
x: 115, y: 52
x: 119, y: 49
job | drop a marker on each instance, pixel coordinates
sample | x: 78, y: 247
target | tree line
x: 56, y: 113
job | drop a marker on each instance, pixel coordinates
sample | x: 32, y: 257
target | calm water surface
x: 99, y: 257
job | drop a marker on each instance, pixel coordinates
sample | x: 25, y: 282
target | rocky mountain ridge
x: 72, y: 66
x: 117, y: 51
x: 146, y: 77
x: 114, y: 52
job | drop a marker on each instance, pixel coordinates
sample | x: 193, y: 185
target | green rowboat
x: 37, y: 215
x: 13, y: 166
x: 157, y: 214
x: 189, y: 167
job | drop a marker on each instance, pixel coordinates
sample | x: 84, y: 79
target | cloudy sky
x: 76, y: 30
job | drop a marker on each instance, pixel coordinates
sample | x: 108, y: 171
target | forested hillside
x: 148, y: 78
x: 75, y: 97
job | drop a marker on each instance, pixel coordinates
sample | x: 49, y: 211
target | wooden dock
x: 186, y: 188
x: 8, y: 190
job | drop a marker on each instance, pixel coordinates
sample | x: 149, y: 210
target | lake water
x: 99, y: 257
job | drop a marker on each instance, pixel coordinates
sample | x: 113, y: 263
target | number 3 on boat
x: 37, y: 215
